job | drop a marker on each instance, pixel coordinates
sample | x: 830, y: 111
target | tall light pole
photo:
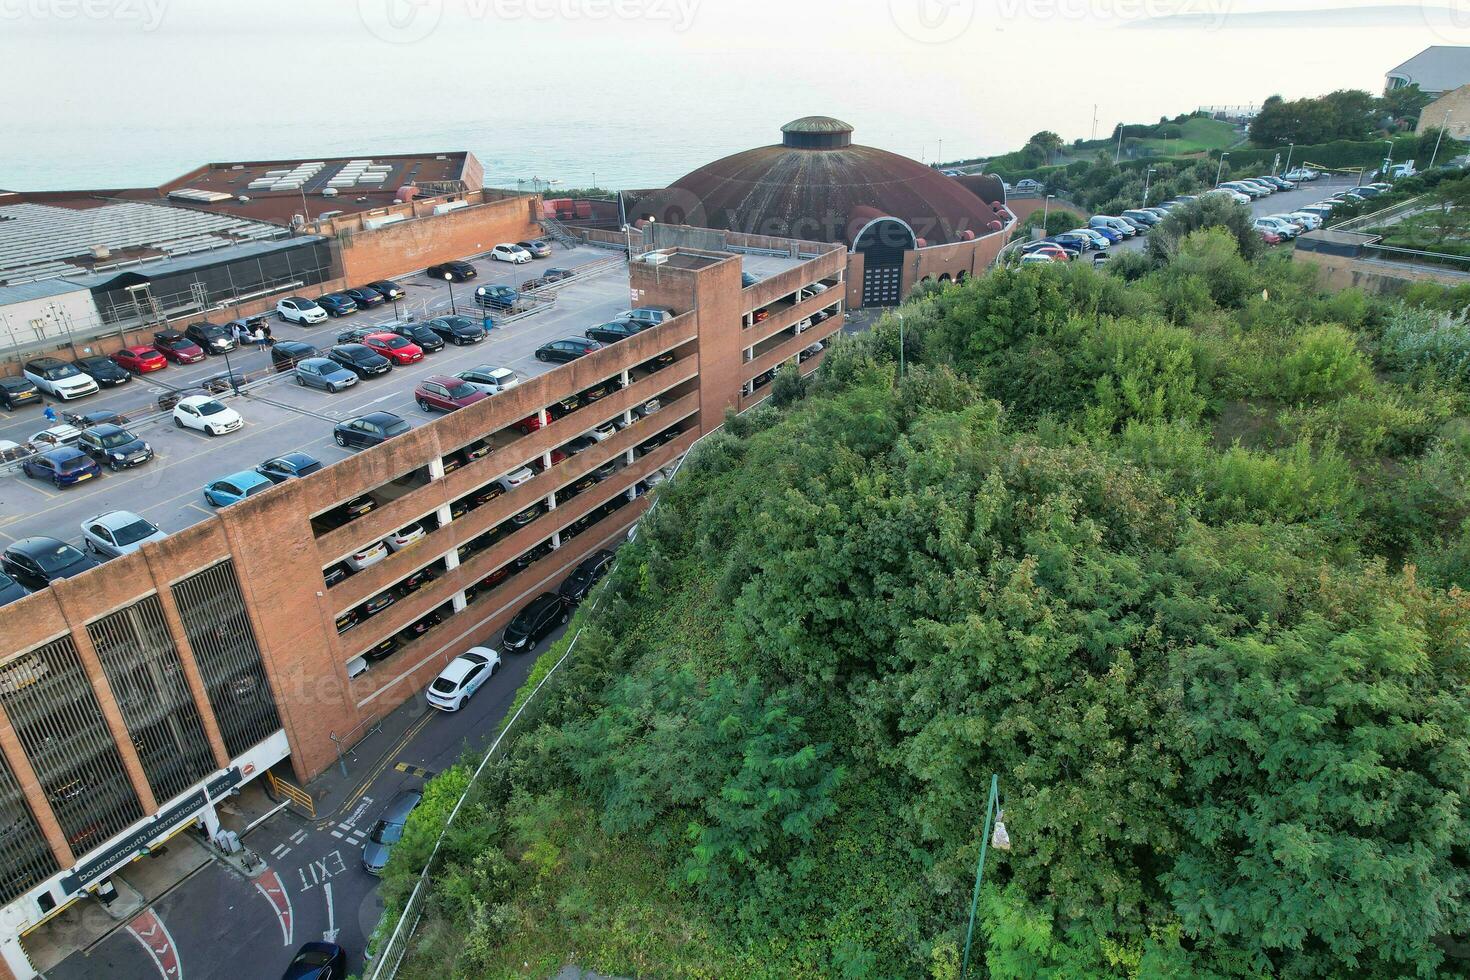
x: 1289, y: 152
x: 1220, y: 170
x: 1118, y: 153
x: 900, y: 345
x: 449, y: 281
x: 1146, y: 176
x: 1045, y: 213
x: 1442, y: 126
x: 1002, y: 841
x: 1388, y: 161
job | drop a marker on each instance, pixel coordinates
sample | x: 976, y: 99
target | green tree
x: 1210, y: 211
x: 1047, y: 144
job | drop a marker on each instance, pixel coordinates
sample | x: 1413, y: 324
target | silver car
x: 118, y: 533
x: 324, y: 374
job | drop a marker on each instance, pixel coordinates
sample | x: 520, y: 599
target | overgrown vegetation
x: 1179, y: 556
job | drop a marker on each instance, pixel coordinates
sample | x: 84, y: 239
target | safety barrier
x: 291, y: 793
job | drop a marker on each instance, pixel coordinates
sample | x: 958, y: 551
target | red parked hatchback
x: 177, y: 348
x: 443, y: 394
x: 399, y: 350
x: 140, y: 360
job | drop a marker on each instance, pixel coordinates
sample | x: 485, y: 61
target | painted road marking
x: 337, y: 834
x: 149, y: 930
x: 280, y: 851
x: 299, y: 837
x: 320, y: 871
x: 330, y: 935
x: 269, y: 885
x: 414, y: 771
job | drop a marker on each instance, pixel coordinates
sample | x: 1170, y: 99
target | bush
x: 1324, y: 365
x: 1213, y: 211
x: 1416, y: 338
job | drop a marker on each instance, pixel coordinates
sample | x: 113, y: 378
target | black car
x: 557, y: 275
x: 37, y: 562
x: 388, y: 289
x: 361, y: 361
x: 562, y: 351
x: 586, y: 575
x: 93, y: 419
x: 18, y: 391
x: 11, y: 590
x: 747, y: 280
x: 356, y: 334
x: 114, y: 447
x: 458, y: 330
x: 318, y: 961
x: 611, y: 333
x: 535, y: 622
x: 372, y: 429
x: 337, y: 304
x: 214, y: 338
x: 289, y: 466
x: 103, y: 370
x: 420, y: 333
x: 454, y: 271
x: 366, y: 297
x: 286, y: 354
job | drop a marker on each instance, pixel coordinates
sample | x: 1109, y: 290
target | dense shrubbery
x: 1178, y: 557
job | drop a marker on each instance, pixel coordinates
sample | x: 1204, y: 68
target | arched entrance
x: 883, y: 242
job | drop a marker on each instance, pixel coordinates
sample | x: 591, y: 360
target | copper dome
x: 815, y: 185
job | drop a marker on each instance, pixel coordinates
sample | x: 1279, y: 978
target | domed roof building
x: 818, y: 185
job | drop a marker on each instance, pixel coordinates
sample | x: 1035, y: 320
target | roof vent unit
x: 243, y: 199
x: 100, y: 252
x: 329, y: 192
x: 449, y: 206
x: 655, y: 258
x: 373, y: 224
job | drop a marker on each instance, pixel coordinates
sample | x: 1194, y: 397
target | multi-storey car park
x: 135, y: 696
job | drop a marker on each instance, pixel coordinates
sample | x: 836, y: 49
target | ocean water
x: 634, y: 93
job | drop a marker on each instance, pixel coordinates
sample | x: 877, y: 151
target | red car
x: 442, y: 394
x: 399, y: 350
x: 177, y: 348
x: 529, y: 424
x: 140, y: 360
x: 1269, y: 237
x: 1054, y: 252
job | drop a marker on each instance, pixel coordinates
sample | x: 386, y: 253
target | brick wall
x: 412, y: 244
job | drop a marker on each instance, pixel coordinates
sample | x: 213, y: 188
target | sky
x: 110, y: 93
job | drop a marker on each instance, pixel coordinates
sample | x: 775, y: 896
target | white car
x: 204, y: 414
x: 603, y: 432
x: 299, y: 309
x: 491, y: 380
x: 464, y: 675
x: 367, y: 557
x: 512, y: 480
x: 118, y: 533
x: 58, y: 378
x: 405, y: 536
x: 55, y: 437
x: 1311, y: 221
x: 509, y: 252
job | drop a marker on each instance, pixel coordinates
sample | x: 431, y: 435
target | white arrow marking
x: 330, y: 935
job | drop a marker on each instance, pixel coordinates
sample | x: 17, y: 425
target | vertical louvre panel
x: 143, y: 668
x: 25, y: 857
x: 55, y: 713
x: 213, y: 611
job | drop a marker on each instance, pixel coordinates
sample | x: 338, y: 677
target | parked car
x: 537, y: 248
x: 1116, y: 224
x: 324, y: 374
x: 443, y: 394
x: 11, y: 590
x: 337, y: 304
x: 118, y: 533
x: 204, y: 414
x: 366, y: 556
x: 103, y: 370
x: 557, y: 275
x: 140, y: 360
x: 177, y: 348
x: 1076, y: 241
x: 585, y: 576
x: 286, y: 354
x: 535, y: 622
x: 366, y: 297
x: 1268, y: 236
x: 235, y: 488
x: 361, y: 361
x: 457, y: 330
x: 37, y: 562
x: 58, y: 379
x: 507, y: 252
x: 1035, y: 258
x: 388, y: 289
x: 420, y: 335
x: 62, y: 467
x: 405, y: 536
x: 18, y: 391
x: 496, y: 297
x: 1148, y: 218
x: 300, y: 310
x: 649, y: 316
x: 490, y: 380
x: 387, y: 831
x: 318, y: 961
x: 56, y: 437
x: 453, y: 271
x: 562, y: 351
x: 461, y: 678
x: 291, y: 466
x: 90, y: 419
x: 613, y: 331
x: 369, y: 430
x: 114, y: 447
x: 399, y: 350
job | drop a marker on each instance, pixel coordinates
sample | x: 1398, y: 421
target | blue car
x: 1113, y: 237
x: 63, y: 467
x: 496, y: 297
x: 337, y: 304
x: 1069, y: 240
x: 235, y: 488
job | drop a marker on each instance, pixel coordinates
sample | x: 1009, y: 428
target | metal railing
x: 1413, y: 204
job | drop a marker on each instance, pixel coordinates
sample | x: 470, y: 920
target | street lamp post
x: 1045, y: 213
x: 1220, y: 170
x: 1388, y: 160
x: 1289, y: 152
x: 1002, y: 841
x: 449, y: 281
x: 1442, y: 126
x: 900, y: 345
x: 1148, y: 174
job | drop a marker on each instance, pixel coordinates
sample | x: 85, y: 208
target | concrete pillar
x: 210, y: 819
x: 30, y: 788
